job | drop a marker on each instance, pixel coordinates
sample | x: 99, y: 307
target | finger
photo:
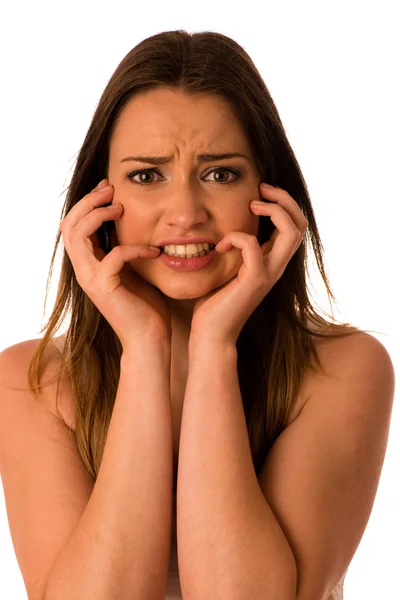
x: 284, y: 199
x: 84, y: 206
x: 80, y: 247
x: 76, y: 240
x: 107, y: 276
x: 102, y: 183
x: 248, y: 244
x: 285, y: 238
x: 94, y: 219
x: 267, y: 246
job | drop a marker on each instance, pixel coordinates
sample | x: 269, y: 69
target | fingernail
x: 258, y: 202
x: 102, y: 183
x: 267, y: 185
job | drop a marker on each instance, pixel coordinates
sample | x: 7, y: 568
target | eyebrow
x: 161, y: 160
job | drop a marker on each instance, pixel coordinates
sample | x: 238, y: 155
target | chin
x: 183, y: 293
x: 190, y: 286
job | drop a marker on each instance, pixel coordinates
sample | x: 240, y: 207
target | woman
x: 208, y: 416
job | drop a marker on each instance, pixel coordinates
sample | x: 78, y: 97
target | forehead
x: 160, y: 117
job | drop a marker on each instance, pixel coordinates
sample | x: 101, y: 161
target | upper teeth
x: 182, y: 250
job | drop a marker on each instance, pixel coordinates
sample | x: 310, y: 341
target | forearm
x: 230, y: 544
x: 120, y: 548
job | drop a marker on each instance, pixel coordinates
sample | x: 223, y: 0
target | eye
x: 152, y: 171
x: 237, y: 174
x: 131, y: 176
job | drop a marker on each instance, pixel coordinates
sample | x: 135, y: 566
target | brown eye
x: 218, y: 170
x: 221, y: 178
x: 141, y: 172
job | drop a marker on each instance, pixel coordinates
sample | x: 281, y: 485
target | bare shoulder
x: 351, y: 355
x: 346, y: 353
x: 338, y: 444
x: 14, y: 365
x: 360, y: 360
x: 45, y: 481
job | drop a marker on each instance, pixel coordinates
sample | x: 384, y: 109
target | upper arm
x: 321, y: 475
x: 46, y: 485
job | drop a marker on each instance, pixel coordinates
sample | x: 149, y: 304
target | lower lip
x: 187, y: 264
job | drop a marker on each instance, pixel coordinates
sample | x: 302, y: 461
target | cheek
x: 245, y: 220
x: 255, y: 222
x: 129, y: 228
x: 250, y: 224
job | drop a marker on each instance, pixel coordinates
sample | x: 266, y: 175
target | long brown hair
x: 275, y: 347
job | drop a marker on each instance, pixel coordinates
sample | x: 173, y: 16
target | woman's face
x: 183, y: 197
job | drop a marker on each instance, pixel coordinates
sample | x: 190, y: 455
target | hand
x: 132, y: 306
x: 222, y: 313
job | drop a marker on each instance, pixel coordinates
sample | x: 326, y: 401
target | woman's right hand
x: 132, y: 306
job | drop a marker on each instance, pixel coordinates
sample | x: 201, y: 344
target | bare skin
x: 184, y: 198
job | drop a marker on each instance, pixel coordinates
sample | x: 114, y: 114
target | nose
x: 186, y: 207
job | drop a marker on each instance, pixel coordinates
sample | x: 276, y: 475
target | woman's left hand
x: 221, y: 314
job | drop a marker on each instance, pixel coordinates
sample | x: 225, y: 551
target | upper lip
x: 185, y: 241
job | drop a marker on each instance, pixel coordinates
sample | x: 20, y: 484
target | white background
x: 332, y: 69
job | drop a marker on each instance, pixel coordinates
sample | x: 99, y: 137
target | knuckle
x: 297, y: 235
x: 73, y: 233
x: 117, y: 251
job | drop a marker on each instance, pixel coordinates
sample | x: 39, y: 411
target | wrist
x: 147, y: 347
x: 203, y: 345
